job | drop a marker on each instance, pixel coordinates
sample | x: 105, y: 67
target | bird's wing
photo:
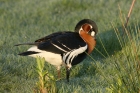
x: 61, y: 42
x: 49, y: 37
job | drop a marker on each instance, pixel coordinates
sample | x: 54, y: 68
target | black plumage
x: 65, y: 40
x: 28, y: 53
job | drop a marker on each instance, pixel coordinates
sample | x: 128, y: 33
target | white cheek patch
x: 80, y: 30
x: 92, y: 33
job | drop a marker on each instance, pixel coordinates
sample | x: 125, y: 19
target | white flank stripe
x: 73, y: 57
x: 65, y: 55
x: 59, y: 48
x: 65, y: 46
x: 73, y: 54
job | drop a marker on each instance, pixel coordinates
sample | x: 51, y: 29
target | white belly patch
x: 52, y: 58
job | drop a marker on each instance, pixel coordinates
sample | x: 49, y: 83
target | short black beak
x: 67, y: 74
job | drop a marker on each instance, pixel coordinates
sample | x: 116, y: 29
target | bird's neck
x: 91, y: 42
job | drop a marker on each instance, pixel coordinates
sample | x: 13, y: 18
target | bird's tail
x: 30, y: 51
x: 26, y: 44
x: 27, y: 53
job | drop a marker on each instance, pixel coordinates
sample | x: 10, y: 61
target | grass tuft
x: 46, y: 83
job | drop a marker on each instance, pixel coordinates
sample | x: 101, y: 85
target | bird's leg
x: 58, y: 72
x: 67, y: 73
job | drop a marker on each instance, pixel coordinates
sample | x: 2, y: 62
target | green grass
x: 114, y: 68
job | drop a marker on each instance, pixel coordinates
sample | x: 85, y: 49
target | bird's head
x: 87, y: 30
x: 87, y: 26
